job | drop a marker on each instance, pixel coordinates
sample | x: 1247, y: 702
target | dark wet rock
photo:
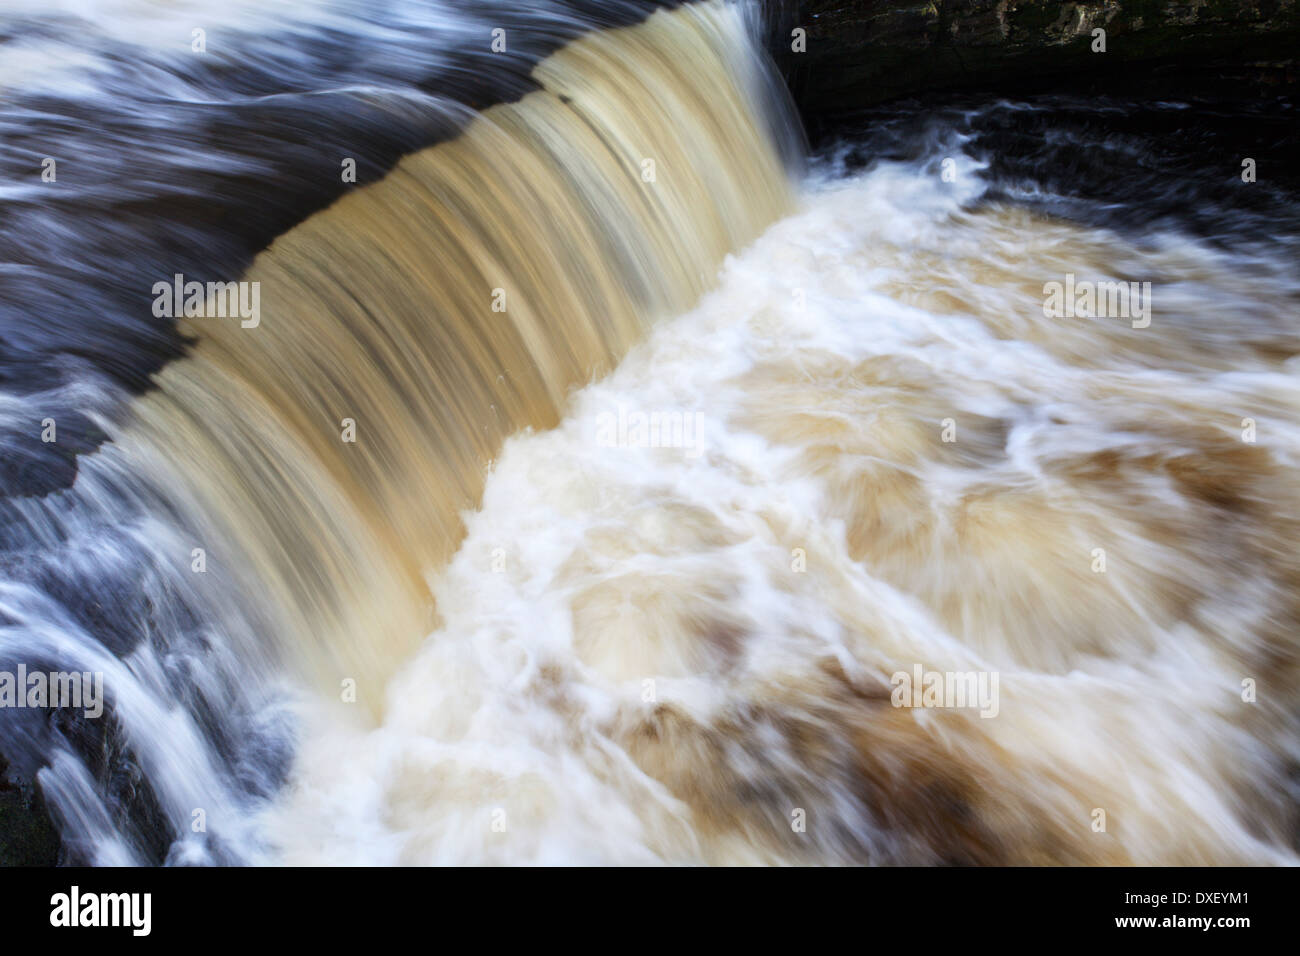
x: 862, y: 52
x: 27, y: 835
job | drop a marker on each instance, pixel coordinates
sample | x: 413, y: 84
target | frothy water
x: 672, y: 654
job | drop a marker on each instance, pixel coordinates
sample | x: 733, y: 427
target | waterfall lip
x: 263, y: 129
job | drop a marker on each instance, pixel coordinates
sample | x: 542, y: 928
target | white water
x: 823, y: 367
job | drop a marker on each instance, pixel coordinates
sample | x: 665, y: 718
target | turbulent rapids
x: 598, y: 484
x: 682, y: 656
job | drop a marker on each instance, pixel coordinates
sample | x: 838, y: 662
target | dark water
x: 1127, y: 164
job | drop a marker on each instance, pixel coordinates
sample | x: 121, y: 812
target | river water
x: 602, y: 464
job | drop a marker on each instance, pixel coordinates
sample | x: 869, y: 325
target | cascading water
x: 591, y: 471
x: 439, y: 309
x: 484, y: 278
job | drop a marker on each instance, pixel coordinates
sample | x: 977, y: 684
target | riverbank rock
x: 861, y: 52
